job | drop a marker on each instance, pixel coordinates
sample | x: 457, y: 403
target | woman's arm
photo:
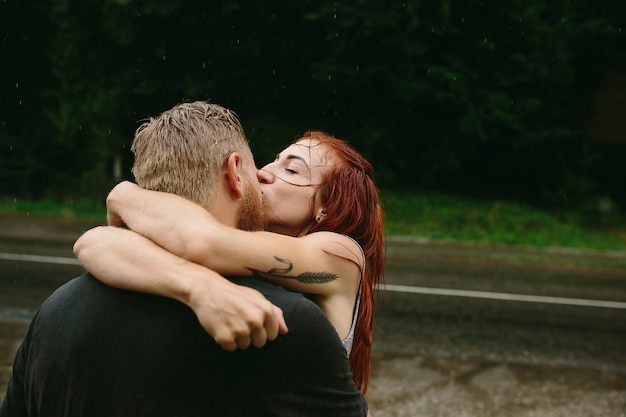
x: 234, y: 315
x: 308, y: 264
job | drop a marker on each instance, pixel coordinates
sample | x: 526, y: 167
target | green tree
x: 24, y: 153
x: 479, y: 97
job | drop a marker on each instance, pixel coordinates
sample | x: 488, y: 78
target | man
x: 94, y: 350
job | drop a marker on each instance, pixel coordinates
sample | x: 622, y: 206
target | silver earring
x: 320, y: 217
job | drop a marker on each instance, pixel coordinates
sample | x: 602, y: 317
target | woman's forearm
x: 189, y: 231
x: 181, y: 227
x: 124, y: 259
x: 235, y: 316
x: 167, y: 219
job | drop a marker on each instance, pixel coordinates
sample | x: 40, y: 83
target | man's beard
x: 251, y: 215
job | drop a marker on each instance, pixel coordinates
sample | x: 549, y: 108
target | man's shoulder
x: 82, y: 285
x: 75, y: 286
x: 85, y: 294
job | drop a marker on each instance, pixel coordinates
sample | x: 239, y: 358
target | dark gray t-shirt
x: 93, y: 350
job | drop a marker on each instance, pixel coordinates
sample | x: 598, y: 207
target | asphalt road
x: 434, y: 355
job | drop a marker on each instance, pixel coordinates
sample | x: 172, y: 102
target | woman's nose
x: 264, y: 176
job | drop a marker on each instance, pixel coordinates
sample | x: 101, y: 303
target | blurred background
x: 497, y: 130
x: 520, y: 100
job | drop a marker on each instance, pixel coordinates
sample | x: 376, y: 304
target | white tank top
x: 347, y: 342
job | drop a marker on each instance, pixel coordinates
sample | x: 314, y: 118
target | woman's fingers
x: 238, y: 317
x: 259, y: 338
x: 243, y: 342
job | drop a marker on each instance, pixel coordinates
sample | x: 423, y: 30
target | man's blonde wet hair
x: 182, y: 150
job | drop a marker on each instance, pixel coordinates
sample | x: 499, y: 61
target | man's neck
x: 224, y: 210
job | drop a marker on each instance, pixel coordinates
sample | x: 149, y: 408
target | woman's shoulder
x: 330, y: 237
x: 339, y: 245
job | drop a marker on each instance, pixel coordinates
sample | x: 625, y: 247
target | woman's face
x: 290, y: 184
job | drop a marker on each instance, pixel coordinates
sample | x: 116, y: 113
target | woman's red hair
x: 352, y: 208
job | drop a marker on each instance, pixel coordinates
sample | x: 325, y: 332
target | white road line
x: 505, y: 296
x: 390, y: 287
x: 39, y: 258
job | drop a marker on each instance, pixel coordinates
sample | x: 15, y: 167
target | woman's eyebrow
x: 289, y: 157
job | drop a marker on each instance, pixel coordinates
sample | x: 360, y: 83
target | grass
x: 441, y: 216
x: 432, y: 215
x: 65, y: 210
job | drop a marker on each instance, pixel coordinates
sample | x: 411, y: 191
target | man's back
x: 95, y: 350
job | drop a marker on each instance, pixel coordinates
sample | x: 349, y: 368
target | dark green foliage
x: 450, y: 217
x: 483, y: 98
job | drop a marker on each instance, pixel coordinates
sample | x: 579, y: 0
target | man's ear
x: 233, y: 175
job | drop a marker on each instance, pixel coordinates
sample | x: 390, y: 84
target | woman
x: 323, y: 210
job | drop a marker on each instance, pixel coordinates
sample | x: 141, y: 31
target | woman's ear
x: 234, y: 179
x: 321, y: 215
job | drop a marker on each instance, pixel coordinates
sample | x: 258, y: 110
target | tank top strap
x: 347, y: 342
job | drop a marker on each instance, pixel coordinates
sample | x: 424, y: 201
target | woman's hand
x: 236, y: 316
